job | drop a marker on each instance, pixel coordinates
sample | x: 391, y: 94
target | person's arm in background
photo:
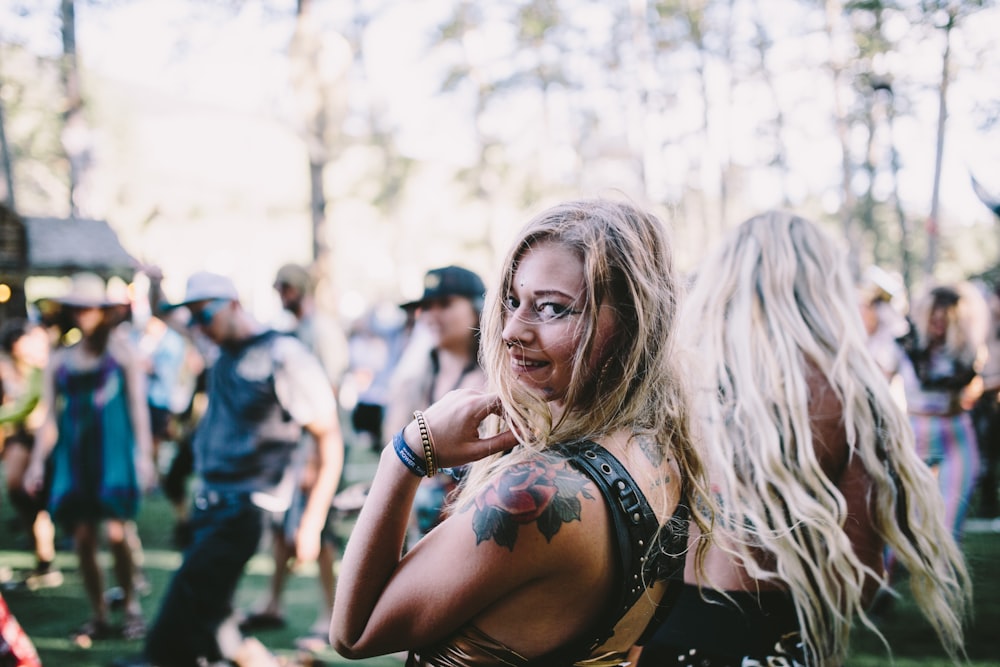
x: 45, y: 436
x: 409, y: 382
x: 329, y: 459
x: 22, y: 406
x: 136, y: 384
x: 304, y: 391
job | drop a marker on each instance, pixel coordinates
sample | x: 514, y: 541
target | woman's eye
x: 511, y: 304
x: 552, y: 311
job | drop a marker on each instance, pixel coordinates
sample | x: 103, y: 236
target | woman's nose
x: 516, y: 330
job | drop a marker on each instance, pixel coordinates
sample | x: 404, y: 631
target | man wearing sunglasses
x: 264, y: 389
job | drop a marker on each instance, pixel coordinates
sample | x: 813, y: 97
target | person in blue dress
x: 96, y: 432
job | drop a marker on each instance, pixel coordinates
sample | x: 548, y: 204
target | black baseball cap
x: 448, y: 281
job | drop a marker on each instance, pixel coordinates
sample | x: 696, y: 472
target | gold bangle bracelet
x: 425, y: 440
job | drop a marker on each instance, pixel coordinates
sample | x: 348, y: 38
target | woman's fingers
x: 501, y: 442
x: 454, y: 425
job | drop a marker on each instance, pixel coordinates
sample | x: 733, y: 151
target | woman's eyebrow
x: 545, y: 293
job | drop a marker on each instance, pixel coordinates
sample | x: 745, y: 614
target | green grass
x: 913, y: 640
x: 50, y: 615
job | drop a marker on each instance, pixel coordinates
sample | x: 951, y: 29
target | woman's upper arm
x: 444, y: 582
x: 848, y: 472
x: 478, y: 557
x: 856, y: 486
x: 45, y: 436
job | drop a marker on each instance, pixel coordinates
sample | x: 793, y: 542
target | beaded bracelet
x: 427, y: 442
x: 407, y: 455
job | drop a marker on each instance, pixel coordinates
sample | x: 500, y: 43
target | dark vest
x: 245, y: 440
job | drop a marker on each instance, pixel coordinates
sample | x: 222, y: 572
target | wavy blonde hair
x: 638, y: 384
x: 775, y: 299
x: 968, y: 320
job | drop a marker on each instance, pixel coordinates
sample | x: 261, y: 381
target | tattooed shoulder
x: 651, y: 449
x: 545, y: 493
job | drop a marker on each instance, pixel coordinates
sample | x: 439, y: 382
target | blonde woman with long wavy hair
x: 811, y: 460
x: 939, y: 363
x: 574, y: 516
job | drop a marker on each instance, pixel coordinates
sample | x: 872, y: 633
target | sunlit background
x: 433, y: 129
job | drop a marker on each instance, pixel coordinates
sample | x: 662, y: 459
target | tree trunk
x: 833, y: 13
x: 8, y: 170
x: 933, y: 229
x: 75, y: 135
x: 314, y: 122
x: 319, y: 63
x: 906, y: 259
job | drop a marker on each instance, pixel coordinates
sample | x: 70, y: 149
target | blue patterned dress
x: 94, y: 473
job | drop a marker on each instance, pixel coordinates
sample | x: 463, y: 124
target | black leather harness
x: 635, y: 527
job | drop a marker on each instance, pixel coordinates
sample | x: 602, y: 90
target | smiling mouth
x: 522, y: 365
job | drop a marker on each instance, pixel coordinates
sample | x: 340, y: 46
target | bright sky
x: 119, y: 40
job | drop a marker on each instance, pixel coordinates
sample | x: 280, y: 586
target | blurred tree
x: 875, y: 111
x: 76, y: 136
x: 763, y: 43
x: 840, y: 54
x: 690, y: 18
x: 320, y: 60
x: 707, y: 107
x: 946, y: 15
x: 471, y: 70
x: 8, y: 173
x: 30, y: 94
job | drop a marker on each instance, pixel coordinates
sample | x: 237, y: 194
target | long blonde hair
x: 639, y: 384
x: 968, y: 320
x: 773, y: 301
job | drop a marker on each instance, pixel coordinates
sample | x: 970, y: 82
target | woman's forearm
x: 372, y: 553
x: 330, y: 458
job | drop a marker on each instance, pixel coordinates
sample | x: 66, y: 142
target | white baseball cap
x: 207, y: 286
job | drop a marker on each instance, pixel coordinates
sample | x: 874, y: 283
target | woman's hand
x: 145, y: 473
x: 454, y: 422
x: 34, y: 476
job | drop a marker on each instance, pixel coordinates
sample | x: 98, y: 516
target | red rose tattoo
x: 529, y: 492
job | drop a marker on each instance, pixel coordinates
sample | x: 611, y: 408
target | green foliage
x: 30, y: 88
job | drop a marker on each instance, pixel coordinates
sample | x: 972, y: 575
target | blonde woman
x: 550, y: 556
x: 939, y: 366
x: 812, y: 461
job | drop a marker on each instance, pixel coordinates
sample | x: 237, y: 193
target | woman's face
x: 937, y: 324
x: 869, y: 316
x: 452, y: 321
x: 543, y: 326
x: 88, y: 319
x: 32, y: 348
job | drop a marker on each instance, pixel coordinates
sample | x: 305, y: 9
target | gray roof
x: 60, y: 246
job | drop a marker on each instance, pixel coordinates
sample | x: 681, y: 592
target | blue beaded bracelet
x: 407, y: 455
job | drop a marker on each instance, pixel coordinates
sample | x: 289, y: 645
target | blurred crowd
x: 105, y: 402
x: 101, y: 407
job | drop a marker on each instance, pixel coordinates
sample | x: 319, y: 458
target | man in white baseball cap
x: 264, y: 389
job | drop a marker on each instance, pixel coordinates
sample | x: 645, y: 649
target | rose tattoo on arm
x: 529, y: 492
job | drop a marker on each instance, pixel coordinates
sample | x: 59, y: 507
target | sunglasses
x: 204, y: 316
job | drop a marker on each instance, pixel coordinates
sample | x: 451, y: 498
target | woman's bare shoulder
x: 539, y: 495
x: 826, y: 417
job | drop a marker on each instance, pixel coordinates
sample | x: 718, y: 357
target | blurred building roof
x: 61, y: 246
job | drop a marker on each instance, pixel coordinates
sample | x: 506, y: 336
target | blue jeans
x: 227, y: 530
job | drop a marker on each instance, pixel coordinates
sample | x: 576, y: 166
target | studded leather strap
x: 635, y: 525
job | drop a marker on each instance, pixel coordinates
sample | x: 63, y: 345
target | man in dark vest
x: 264, y: 389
